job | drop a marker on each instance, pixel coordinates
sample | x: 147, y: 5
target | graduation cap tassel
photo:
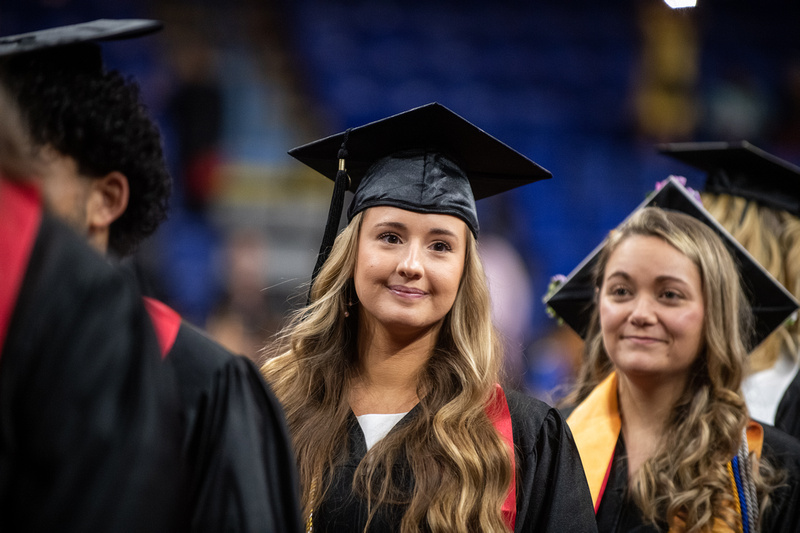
x: 744, y: 212
x: 340, y: 186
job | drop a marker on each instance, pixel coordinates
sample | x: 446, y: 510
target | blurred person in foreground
x: 390, y: 375
x: 103, y: 170
x: 756, y: 197
x: 664, y: 434
x: 88, y: 440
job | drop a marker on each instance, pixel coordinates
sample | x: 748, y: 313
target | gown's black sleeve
x: 787, y: 418
x: 552, y: 492
x: 88, y: 429
x: 238, y: 453
x: 783, y: 451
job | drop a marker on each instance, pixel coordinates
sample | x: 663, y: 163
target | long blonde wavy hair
x: 772, y: 237
x: 687, y: 475
x: 459, y: 462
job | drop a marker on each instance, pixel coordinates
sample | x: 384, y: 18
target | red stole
x: 500, y: 417
x: 166, y: 323
x: 20, y: 217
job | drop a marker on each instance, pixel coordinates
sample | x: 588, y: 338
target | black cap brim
x: 95, y: 31
x: 491, y: 166
x: 741, y: 169
x: 771, y: 303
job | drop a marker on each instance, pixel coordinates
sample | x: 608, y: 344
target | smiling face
x: 651, y: 309
x: 408, y: 268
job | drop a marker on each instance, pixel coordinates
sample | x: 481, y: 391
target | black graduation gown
x: 787, y: 417
x: 241, y: 468
x: 618, y: 513
x: 88, y: 439
x: 552, y: 494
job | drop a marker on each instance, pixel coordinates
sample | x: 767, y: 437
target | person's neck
x: 389, y: 368
x: 645, y: 406
x: 98, y: 239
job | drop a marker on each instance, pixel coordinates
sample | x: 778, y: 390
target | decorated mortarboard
x: 771, y: 303
x: 741, y: 169
x: 95, y: 31
x: 427, y: 159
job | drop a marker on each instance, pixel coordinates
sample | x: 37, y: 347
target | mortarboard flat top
x: 770, y: 302
x: 491, y: 166
x: 98, y: 30
x: 741, y: 169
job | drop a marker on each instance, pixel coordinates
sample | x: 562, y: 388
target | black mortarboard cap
x: 741, y: 169
x: 770, y: 302
x: 72, y: 47
x: 98, y: 30
x: 427, y: 159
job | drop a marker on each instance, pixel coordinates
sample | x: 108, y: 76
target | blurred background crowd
x: 584, y: 88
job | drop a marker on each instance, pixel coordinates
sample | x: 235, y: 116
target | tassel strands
x: 740, y: 495
x: 735, y: 491
x: 743, y: 488
x: 340, y: 186
x: 748, y: 484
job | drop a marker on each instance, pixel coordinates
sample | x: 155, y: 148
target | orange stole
x: 595, y: 426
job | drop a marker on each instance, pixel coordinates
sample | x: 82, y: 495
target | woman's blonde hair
x: 459, y: 463
x: 772, y: 237
x: 687, y: 475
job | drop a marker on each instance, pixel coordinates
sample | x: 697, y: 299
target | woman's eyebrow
x: 442, y: 231
x: 390, y: 224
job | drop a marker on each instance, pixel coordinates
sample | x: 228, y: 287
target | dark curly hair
x: 95, y: 116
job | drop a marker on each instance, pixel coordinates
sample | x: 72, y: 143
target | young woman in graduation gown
x: 398, y: 332
x: 662, y: 428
